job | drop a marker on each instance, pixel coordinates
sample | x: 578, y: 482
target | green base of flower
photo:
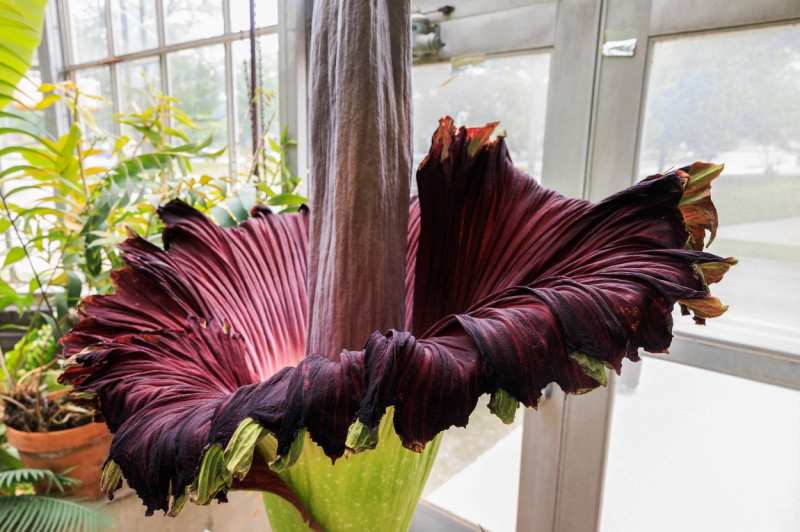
x: 373, y: 490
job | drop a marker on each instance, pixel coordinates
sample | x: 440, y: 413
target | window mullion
x: 109, y: 29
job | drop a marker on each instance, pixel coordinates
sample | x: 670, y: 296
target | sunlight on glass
x: 190, y: 20
x: 512, y: 89
x: 135, y: 26
x: 734, y: 98
x: 137, y: 80
x: 696, y: 450
x: 266, y: 14
x: 197, y: 79
x: 89, y: 36
x: 96, y: 82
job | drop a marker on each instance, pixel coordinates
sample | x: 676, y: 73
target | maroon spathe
x: 504, y: 281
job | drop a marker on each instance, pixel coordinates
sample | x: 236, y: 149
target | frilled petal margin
x: 510, y: 287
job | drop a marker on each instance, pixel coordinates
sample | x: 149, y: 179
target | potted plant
x: 37, y: 498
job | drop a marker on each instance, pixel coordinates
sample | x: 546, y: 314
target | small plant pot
x: 85, y: 448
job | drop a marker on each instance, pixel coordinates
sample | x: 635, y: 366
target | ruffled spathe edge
x: 514, y: 287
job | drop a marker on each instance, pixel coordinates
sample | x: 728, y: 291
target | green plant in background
x: 21, y: 26
x: 68, y: 202
x: 23, y: 509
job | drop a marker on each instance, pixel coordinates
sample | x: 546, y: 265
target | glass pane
x: 97, y: 82
x: 197, y: 79
x: 137, y: 82
x: 734, y: 98
x: 511, y: 89
x: 190, y: 20
x: 266, y: 14
x: 89, y: 36
x: 476, y: 473
x: 135, y: 25
x: 267, y: 73
x: 694, y: 450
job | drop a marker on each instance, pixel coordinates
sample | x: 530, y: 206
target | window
x: 692, y: 449
x: 482, y: 90
x: 189, y: 50
x: 734, y: 97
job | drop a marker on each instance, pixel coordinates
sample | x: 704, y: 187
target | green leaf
x: 247, y: 196
x: 503, y: 405
x: 21, y: 28
x: 591, y: 366
x: 73, y: 285
x: 8, y: 296
x: 287, y: 199
x: 239, y: 452
x: 239, y: 212
x: 14, y: 254
x: 51, y: 514
x: 12, y: 479
x: 222, y: 217
x: 360, y: 438
x: 212, y: 477
x: 47, y: 101
x: 282, y: 463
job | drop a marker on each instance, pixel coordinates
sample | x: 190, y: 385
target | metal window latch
x: 426, y: 40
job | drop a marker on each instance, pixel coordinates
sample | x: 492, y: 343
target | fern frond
x: 40, y: 513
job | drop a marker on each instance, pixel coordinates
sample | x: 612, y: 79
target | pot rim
x: 58, y: 440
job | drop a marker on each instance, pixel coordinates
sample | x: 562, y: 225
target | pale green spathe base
x: 374, y: 490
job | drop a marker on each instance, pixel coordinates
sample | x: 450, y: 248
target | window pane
x: 695, y: 450
x: 735, y: 98
x: 97, y: 82
x: 190, y: 20
x: 512, y: 89
x: 476, y: 473
x: 135, y: 25
x: 267, y: 72
x: 137, y: 82
x: 197, y: 79
x: 89, y: 36
x: 266, y: 14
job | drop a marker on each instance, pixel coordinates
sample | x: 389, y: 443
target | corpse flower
x: 198, y: 361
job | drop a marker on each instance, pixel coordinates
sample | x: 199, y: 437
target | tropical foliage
x: 104, y: 187
x: 21, y: 24
x: 21, y: 509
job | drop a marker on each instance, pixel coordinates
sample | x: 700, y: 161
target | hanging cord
x: 254, y: 114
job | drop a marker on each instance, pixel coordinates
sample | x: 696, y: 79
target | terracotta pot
x: 84, y: 447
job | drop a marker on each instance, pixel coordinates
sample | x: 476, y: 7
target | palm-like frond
x: 21, y: 27
x: 55, y: 481
x: 39, y: 513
